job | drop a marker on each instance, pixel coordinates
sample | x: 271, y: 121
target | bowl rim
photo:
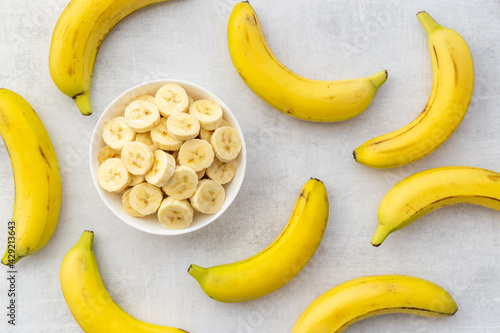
x: 96, y: 143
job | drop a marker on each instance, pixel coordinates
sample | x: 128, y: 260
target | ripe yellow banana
x: 77, y: 36
x: 452, y: 86
x: 357, y: 299
x: 431, y: 189
x: 286, y: 91
x: 87, y: 297
x: 277, y: 264
x: 36, y: 178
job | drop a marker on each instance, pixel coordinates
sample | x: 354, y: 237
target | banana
x: 145, y: 198
x: 106, y: 153
x: 116, y: 133
x: 175, y: 214
x: 113, y: 176
x: 137, y: 158
x: 453, y: 83
x: 147, y: 98
x: 196, y: 154
x: 207, y: 112
x: 127, y: 207
x: 146, y: 139
x: 87, y: 297
x: 182, y: 184
x: 142, y: 116
x: 226, y: 143
x: 428, y: 190
x: 183, y: 126
x: 163, y: 140
x: 201, y: 173
x: 364, y: 297
x: 37, y: 179
x: 163, y: 168
x: 296, y: 96
x: 205, y: 135
x: 172, y: 98
x: 222, y: 172
x: 277, y: 264
x: 76, y: 39
x: 208, y: 197
x: 136, y: 180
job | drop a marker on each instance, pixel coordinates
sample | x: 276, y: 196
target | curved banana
x: 77, y: 36
x: 452, y: 86
x: 87, y: 297
x: 277, y: 264
x: 357, y: 299
x: 431, y: 189
x: 36, y: 178
x: 284, y: 90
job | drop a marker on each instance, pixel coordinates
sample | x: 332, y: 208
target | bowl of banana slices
x: 167, y: 157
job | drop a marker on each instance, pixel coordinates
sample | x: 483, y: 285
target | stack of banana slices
x: 169, y: 155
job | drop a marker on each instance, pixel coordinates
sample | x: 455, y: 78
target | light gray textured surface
x: 456, y: 247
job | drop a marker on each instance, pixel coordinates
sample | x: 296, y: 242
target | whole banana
x: 428, y: 190
x: 452, y: 86
x: 277, y: 264
x: 296, y: 96
x: 87, y: 297
x: 37, y: 179
x: 78, y: 34
x: 364, y: 297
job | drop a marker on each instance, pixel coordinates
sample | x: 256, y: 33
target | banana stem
x: 379, y: 236
x: 427, y: 22
x: 379, y: 78
x: 86, y: 240
x: 196, y: 271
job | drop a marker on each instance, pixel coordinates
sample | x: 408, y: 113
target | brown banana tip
x: 89, y: 231
x: 190, y: 266
x: 375, y: 245
x: 316, y: 179
x: 422, y: 11
x: 354, y: 155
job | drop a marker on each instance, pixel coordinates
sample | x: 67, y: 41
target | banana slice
x: 148, y: 98
x: 113, y: 176
x: 136, y: 180
x: 191, y: 100
x: 126, y: 205
x: 142, y: 116
x: 146, y: 139
x: 201, y: 173
x: 137, y: 157
x: 145, y: 198
x: 208, y: 113
x: 222, y: 172
x: 163, y: 168
x: 223, y: 123
x: 182, y: 184
x: 226, y: 142
x: 106, y: 153
x: 183, y: 126
x: 163, y: 140
x: 172, y: 98
x: 175, y: 214
x: 196, y: 154
x: 208, y: 197
x: 205, y: 135
x: 116, y: 133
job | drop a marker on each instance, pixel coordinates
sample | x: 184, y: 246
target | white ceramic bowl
x: 150, y: 223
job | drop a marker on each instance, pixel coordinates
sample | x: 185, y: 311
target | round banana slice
x: 172, y: 98
x: 163, y: 168
x: 116, y: 133
x: 106, y: 153
x: 163, y: 140
x: 183, y: 126
x: 208, y: 113
x: 146, y: 139
x: 148, y: 98
x: 208, y: 197
x: 201, y: 173
x: 196, y: 154
x: 226, y: 142
x: 222, y: 172
x: 126, y: 205
x: 205, y: 135
x: 182, y: 184
x: 113, y: 176
x: 137, y: 157
x: 136, y: 180
x: 175, y: 214
x: 142, y: 116
x: 145, y: 198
